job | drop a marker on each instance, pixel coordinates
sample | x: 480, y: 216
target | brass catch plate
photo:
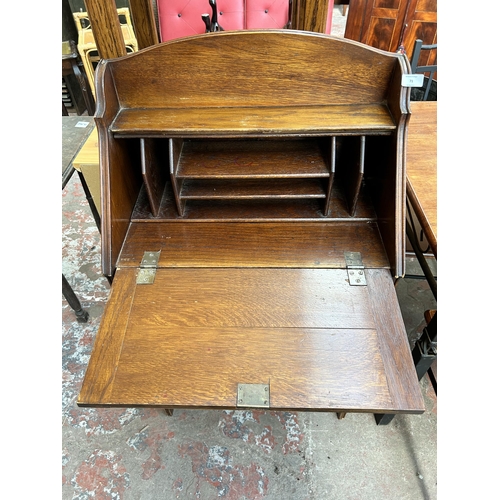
x: 146, y: 276
x: 253, y: 395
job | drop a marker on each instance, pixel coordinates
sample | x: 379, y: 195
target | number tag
x: 412, y: 80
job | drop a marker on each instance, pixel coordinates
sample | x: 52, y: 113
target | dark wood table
x: 421, y: 191
x: 75, y: 131
x: 421, y: 167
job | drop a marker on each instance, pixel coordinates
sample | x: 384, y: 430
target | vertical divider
x: 175, y: 151
x: 350, y: 169
x: 358, y: 176
x: 153, y: 173
x: 332, y: 174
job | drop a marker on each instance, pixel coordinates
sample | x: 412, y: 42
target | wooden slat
x: 313, y: 15
x: 247, y: 244
x: 144, y: 23
x: 107, y: 347
x: 106, y: 28
x: 257, y: 122
x: 394, y: 347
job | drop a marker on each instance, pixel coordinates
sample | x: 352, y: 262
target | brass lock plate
x: 253, y: 396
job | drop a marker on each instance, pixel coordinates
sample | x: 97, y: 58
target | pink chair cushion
x: 329, y: 18
x: 178, y: 18
x: 266, y: 14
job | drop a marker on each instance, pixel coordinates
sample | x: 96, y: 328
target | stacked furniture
x: 87, y: 47
x: 253, y: 212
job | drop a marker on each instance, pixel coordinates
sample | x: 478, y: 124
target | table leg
x: 81, y: 315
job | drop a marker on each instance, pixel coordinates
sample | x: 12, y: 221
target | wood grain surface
x: 421, y: 167
x: 253, y: 121
x: 195, y: 334
x: 260, y: 244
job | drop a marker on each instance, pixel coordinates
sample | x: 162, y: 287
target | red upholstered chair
x: 266, y: 14
x: 178, y: 18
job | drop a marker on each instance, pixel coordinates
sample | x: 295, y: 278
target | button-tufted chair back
x: 178, y: 18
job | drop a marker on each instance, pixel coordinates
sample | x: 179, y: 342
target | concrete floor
x: 144, y: 454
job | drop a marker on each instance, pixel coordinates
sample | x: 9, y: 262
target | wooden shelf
x: 253, y: 121
x: 233, y: 159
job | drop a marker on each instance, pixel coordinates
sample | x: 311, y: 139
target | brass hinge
x: 355, y: 269
x: 253, y: 395
x: 147, y: 269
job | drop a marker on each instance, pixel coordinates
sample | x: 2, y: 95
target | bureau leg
x: 341, y: 414
x: 169, y: 411
x: 81, y: 315
x: 384, y: 418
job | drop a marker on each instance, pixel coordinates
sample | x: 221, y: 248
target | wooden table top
x: 421, y: 167
x: 75, y: 131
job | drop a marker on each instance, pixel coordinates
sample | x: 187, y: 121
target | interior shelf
x: 233, y: 159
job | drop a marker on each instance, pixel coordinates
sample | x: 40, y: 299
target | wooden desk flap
x: 189, y: 339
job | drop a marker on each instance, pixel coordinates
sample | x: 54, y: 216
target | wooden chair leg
x: 341, y: 415
x: 169, y: 411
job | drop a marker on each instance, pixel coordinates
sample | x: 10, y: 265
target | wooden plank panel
x: 394, y: 347
x: 195, y: 334
x: 250, y: 298
x: 281, y: 68
x: 253, y: 122
x: 107, y: 347
x: 305, y: 368
x: 247, y: 244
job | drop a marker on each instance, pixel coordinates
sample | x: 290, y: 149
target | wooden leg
x: 383, y: 418
x: 81, y: 315
x: 90, y: 201
x: 169, y: 411
x: 341, y: 415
